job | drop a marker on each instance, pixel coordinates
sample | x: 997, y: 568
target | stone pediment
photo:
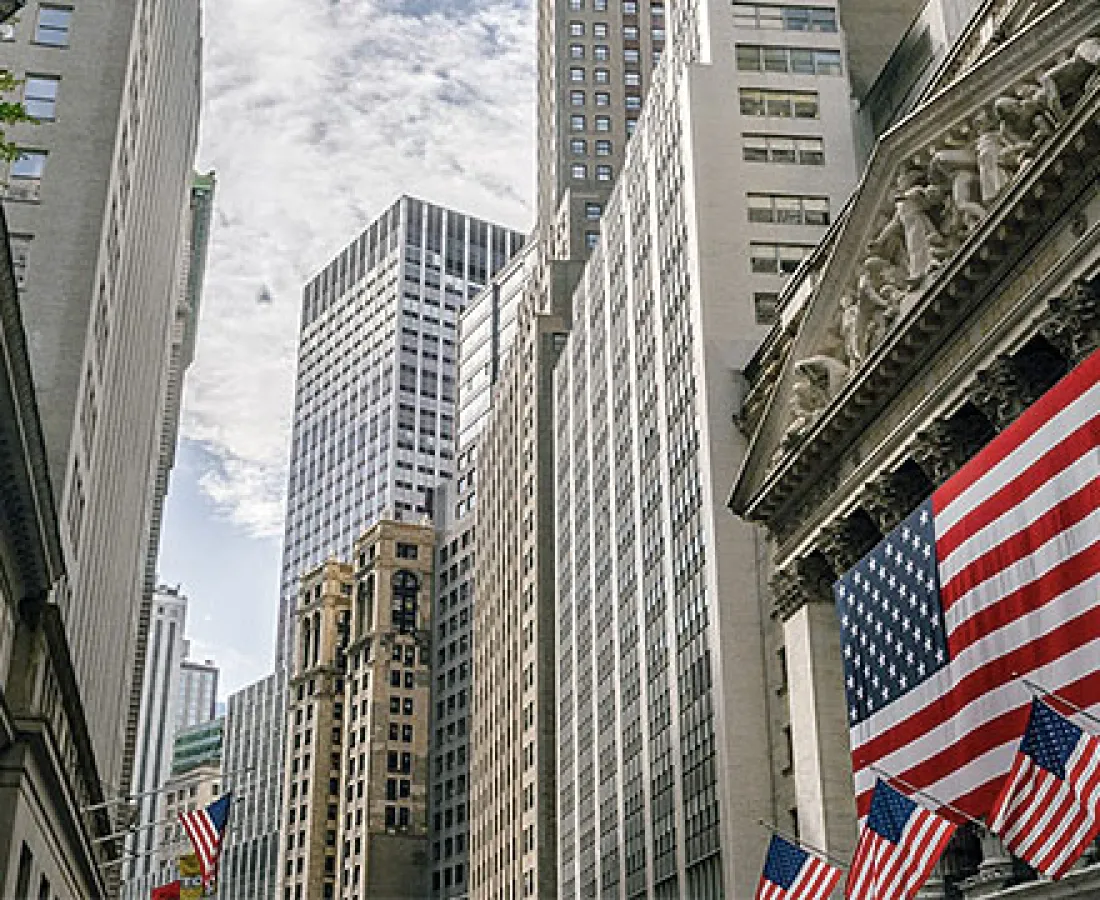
x: 952, y: 198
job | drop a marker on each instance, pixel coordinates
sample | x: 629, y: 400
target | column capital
x: 846, y: 541
x: 947, y: 444
x: 891, y: 496
x: 1004, y: 390
x: 805, y: 580
x: 1072, y: 322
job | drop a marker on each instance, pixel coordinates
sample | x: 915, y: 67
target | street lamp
x: 9, y: 8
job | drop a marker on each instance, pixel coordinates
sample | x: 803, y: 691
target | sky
x: 317, y: 114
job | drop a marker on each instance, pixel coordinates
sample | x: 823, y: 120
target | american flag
x: 898, y: 846
x: 1048, y: 811
x: 206, y: 829
x: 790, y: 873
x: 993, y: 577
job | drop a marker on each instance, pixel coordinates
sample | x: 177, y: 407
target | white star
x: 885, y: 694
x: 909, y: 566
x: 924, y: 517
x: 905, y: 624
x: 939, y: 655
x: 896, y: 613
x: 904, y: 682
x: 921, y: 669
x: 847, y: 651
x: 927, y: 550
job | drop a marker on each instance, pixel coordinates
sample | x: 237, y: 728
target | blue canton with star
x: 1050, y: 739
x: 890, y: 812
x: 891, y: 621
x: 784, y: 862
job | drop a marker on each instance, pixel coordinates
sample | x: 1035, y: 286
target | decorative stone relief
x: 892, y: 496
x: 1004, y: 390
x: 1072, y: 324
x: 940, y: 196
x: 846, y: 541
x: 944, y: 447
x: 805, y: 580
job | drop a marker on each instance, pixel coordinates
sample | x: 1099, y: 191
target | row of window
x: 579, y: 147
x: 779, y: 148
x: 795, y: 60
x: 779, y: 104
x: 51, y: 28
x: 788, y: 209
x: 776, y: 259
x: 767, y: 17
x: 629, y: 7
x: 632, y: 78
x: 579, y: 172
x: 579, y: 122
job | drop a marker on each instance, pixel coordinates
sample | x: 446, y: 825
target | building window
x: 576, y: 123
x: 794, y: 60
x: 576, y: 29
x: 603, y: 148
x: 591, y: 238
x: 602, y: 76
x: 599, y: 30
x: 578, y: 147
x: 406, y: 551
x: 40, y: 96
x: 26, y: 175
x: 603, y: 98
x: 576, y: 51
x: 576, y: 74
x: 53, y: 24
x: 603, y: 173
x: 776, y: 259
x: 576, y: 98
x: 578, y: 171
x: 766, y: 17
x: 601, y: 53
x: 20, y: 250
x: 786, y: 209
x: 576, y: 5
x: 603, y: 123
x: 765, y: 304
x: 779, y: 104
x: 775, y: 148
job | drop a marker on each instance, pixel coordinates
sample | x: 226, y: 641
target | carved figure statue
x: 852, y: 330
x: 880, y: 285
x: 1064, y: 84
x: 958, y: 167
x: 1025, y: 124
x: 913, y: 225
x: 817, y: 379
x: 989, y: 149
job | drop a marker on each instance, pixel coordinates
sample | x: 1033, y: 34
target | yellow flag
x: 190, y: 878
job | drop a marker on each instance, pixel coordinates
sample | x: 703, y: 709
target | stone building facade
x: 355, y: 820
x: 960, y: 286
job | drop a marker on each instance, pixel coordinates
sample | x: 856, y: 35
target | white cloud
x: 317, y: 115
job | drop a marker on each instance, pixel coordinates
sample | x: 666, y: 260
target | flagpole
x: 1039, y: 689
x: 801, y: 843
x: 916, y: 790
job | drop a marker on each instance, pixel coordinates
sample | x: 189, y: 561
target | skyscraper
x: 159, y: 696
x: 95, y: 206
x: 615, y: 420
x: 486, y: 335
x: 198, y: 692
x: 374, y: 415
x: 251, y: 769
x: 595, y: 63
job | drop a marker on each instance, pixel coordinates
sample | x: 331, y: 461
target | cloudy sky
x: 317, y: 114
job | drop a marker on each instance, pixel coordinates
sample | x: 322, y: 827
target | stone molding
x: 806, y: 580
x: 846, y: 541
x: 891, y: 496
x: 1072, y: 323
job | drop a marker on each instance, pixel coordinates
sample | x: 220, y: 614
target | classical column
x: 846, y: 541
x: 817, y: 706
x: 994, y: 872
x: 1072, y: 322
x: 947, y: 444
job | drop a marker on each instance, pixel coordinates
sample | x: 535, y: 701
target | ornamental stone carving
x: 941, y: 194
x: 805, y: 580
x: 893, y: 495
x: 1072, y: 324
x: 1003, y: 391
x: 945, y: 446
x: 846, y: 541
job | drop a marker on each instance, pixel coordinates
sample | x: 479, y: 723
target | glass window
x: 603, y: 173
x: 631, y: 55
x: 748, y: 58
x: 756, y: 148
x: 576, y: 51
x: 827, y: 62
x: 576, y: 74
x: 578, y: 170
x: 592, y: 211
x: 603, y: 98
x: 576, y: 122
x: 601, y: 53
x: 576, y: 98
x: 811, y: 151
x: 602, y: 76
x: 53, y: 24
x: 578, y: 147
x: 603, y: 123
x: 760, y: 208
x: 576, y: 29
x: 788, y: 210
x: 603, y: 148
x: 752, y: 102
x: 600, y: 30
x: 816, y: 210
x: 776, y: 59
x: 31, y: 164
x: 576, y: 5
x: 765, y: 303
x: 40, y: 96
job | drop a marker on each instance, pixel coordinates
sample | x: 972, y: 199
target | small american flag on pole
x: 790, y: 873
x: 995, y: 576
x: 1049, y: 810
x: 899, y: 844
x: 206, y: 829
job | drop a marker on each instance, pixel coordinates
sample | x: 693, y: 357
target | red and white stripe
x: 1018, y: 547
x: 815, y: 882
x: 205, y: 841
x: 883, y: 870
x: 1045, y: 820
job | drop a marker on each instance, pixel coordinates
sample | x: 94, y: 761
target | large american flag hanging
x: 1049, y: 810
x: 992, y: 578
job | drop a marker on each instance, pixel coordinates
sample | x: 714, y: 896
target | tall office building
x: 251, y: 769
x: 198, y: 692
x: 611, y: 552
x: 486, y: 334
x: 96, y: 209
x: 192, y: 274
x: 156, y: 732
x: 595, y: 63
x: 658, y: 610
x: 374, y: 414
